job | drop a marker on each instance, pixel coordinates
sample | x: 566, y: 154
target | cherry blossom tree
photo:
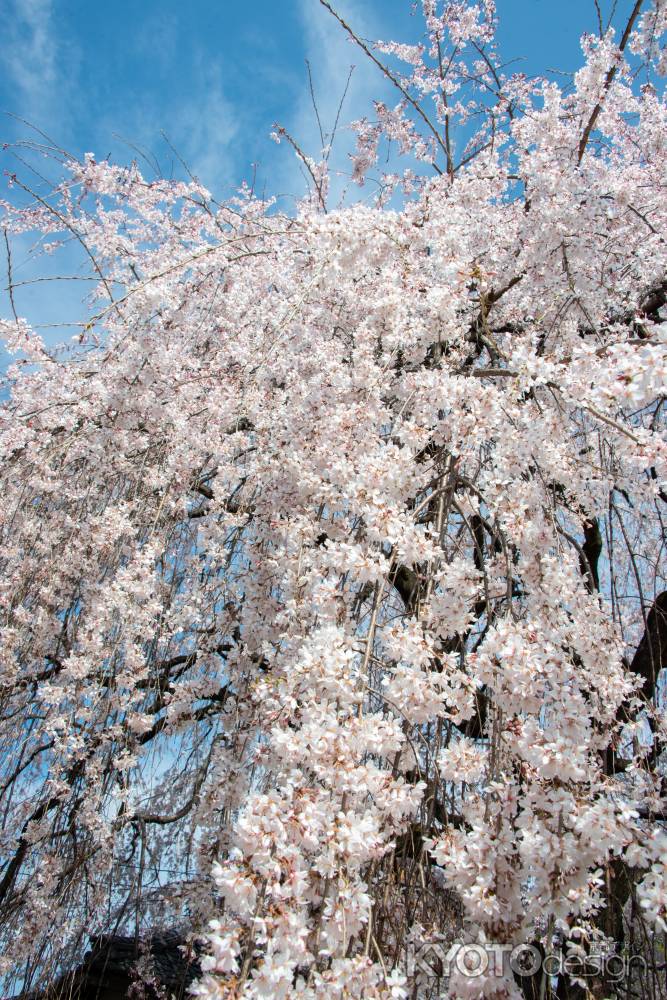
x: 333, y: 593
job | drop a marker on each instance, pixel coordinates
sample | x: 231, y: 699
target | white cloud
x: 39, y: 70
x: 200, y: 124
x: 203, y: 128
x: 31, y: 56
x: 331, y: 54
x: 156, y: 36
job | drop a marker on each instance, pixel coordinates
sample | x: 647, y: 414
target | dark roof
x: 116, y: 964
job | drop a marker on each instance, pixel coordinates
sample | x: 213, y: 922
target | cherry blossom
x: 333, y: 553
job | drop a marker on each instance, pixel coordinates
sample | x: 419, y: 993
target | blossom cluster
x: 301, y: 599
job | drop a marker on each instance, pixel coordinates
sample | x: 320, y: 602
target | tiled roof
x: 115, y: 962
x: 165, y: 952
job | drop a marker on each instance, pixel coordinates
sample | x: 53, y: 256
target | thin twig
x: 314, y: 102
x: 68, y: 225
x: 448, y: 140
x: 607, y: 83
x: 338, y: 113
x: 599, y: 14
x: 390, y: 76
x: 306, y: 162
x: 10, y: 285
x: 612, y: 423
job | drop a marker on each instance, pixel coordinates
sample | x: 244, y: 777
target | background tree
x: 333, y: 560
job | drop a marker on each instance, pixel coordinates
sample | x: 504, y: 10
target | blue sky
x: 216, y: 74
x: 109, y: 77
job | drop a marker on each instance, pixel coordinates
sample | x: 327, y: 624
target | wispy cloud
x: 32, y: 59
x: 200, y: 125
x: 331, y: 56
x: 156, y: 36
x: 39, y: 71
x: 204, y: 127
